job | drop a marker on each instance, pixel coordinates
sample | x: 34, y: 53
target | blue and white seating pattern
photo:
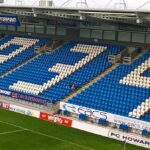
x: 15, y: 50
x: 141, y: 110
x: 124, y: 91
x: 109, y: 94
x: 25, y: 44
x: 146, y: 73
x: 9, y: 49
x: 49, y: 66
x: 135, y: 78
x: 84, y: 74
x: 63, y: 70
x: 6, y: 39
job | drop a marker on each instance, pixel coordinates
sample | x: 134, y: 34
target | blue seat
x: 107, y: 94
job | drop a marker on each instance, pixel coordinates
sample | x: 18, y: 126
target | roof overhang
x: 136, y: 17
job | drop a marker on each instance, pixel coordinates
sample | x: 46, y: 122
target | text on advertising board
x: 25, y: 111
x: 4, y: 92
x: 96, y: 114
x: 9, y: 20
x: 29, y: 98
x: 136, y: 140
x: 56, y: 119
x: 5, y: 105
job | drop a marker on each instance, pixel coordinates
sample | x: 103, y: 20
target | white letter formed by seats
x: 24, y: 42
x: 135, y: 78
x: 64, y: 70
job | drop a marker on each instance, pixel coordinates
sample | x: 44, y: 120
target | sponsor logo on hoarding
x: 20, y: 110
x: 133, y: 123
x: 4, y: 92
x: 96, y: 114
x: 25, y: 111
x: 28, y: 98
x: 14, y: 95
x: 9, y: 20
x: 56, y: 119
x: 130, y: 138
x: 5, y: 105
x: 83, y: 110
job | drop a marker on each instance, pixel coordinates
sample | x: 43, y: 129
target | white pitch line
x: 13, y: 125
x: 48, y: 136
x: 11, y: 132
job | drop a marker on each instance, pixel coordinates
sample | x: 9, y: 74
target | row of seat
x: 9, y: 49
x: 84, y: 48
x: 141, y: 110
x: 135, y: 78
x: 4, y: 58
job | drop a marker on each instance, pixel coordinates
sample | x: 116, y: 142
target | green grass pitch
x: 20, y: 132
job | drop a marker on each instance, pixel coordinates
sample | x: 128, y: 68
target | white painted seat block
x: 135, y: 78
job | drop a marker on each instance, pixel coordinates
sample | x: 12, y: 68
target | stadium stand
x: 127, y: 85
x: 115, y: 94
x: 79, y: 62
x: 92, y: 73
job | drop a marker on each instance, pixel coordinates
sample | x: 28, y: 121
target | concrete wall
x: 102, y: 32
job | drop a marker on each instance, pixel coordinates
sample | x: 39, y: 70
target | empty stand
x: 124, y: 91
x: 49, y: 75
x: 63, y: 70
x: 111, y: 94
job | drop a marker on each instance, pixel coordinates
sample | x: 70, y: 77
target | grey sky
x: 131, y: 4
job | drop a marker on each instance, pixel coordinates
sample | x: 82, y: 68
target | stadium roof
x: 136, y: 17
x: 76, y: 8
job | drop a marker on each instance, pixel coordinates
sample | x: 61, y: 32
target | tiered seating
x: 114, y: 94
x: 49, y: 75
x: 62, y: 69
x: 14, y: 50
